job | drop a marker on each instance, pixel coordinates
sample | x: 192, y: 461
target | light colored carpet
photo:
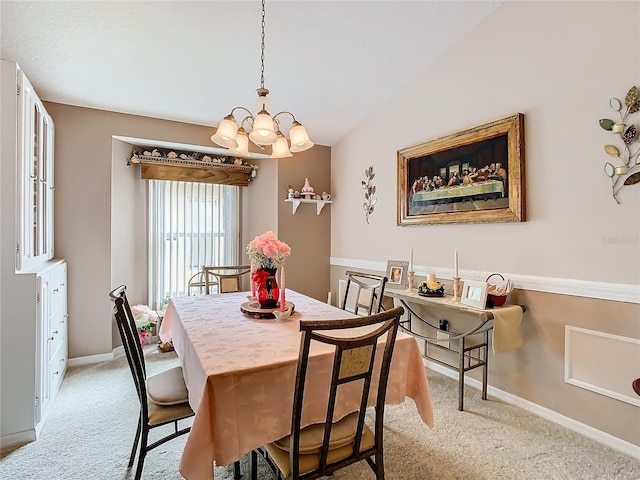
x: 89, y: 434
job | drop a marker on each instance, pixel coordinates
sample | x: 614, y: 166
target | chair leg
x: 135, y: 442
x: 379, y: 465
x: 253, y: 465
x: 143, y: 451
x: 236, y: 470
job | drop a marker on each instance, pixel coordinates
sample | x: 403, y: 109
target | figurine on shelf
x: 290, y: 192
x: 307, y: 190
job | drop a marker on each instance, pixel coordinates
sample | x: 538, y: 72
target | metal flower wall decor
x: 627, y: 173
x: 370, y: 191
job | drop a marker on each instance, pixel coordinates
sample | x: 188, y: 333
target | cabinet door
x: 35, y: 168
x: 46, y: 192
x: 42, y: 353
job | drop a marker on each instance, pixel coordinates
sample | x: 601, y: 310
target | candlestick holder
x: 457, y: 289
x: 410, y: 287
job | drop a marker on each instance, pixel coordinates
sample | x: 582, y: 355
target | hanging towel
x: 507, y: 334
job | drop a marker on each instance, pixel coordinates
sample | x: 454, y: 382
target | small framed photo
x: 474, y: 294
x: 397, y: 274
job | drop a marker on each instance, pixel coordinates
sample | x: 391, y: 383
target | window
x: 190, y: 225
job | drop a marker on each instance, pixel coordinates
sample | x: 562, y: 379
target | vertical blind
x: 191, y: 225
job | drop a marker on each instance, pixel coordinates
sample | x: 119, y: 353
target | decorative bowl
x: 430, y: 289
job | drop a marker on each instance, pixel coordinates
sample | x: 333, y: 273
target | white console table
x: 469, y: 356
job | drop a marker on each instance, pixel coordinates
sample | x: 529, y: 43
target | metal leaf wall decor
x: 369, y: 192
x: 629, y: 153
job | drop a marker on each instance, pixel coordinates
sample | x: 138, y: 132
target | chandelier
x: 264, y: 130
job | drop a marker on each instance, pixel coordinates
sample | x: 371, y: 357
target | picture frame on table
x: 397, y: 275
x: 471, y: 176
x: 474, y: 294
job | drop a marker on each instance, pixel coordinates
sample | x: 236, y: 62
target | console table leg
x: 485, y: 368
x: 461, y: 376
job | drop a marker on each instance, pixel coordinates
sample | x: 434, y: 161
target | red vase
x: 267, y: 290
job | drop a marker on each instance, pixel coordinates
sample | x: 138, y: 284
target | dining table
x: 240, y: 373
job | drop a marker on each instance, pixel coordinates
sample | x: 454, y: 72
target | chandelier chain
x: 262, y: 50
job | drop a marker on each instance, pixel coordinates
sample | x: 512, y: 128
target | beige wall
x: 527, y: 57
x: 549, y: 61
x: 307, y: 233
x: 101, y: 224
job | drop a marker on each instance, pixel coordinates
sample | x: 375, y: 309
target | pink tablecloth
x: 240, y: 375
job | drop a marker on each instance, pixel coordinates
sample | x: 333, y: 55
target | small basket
x: 498, y: 300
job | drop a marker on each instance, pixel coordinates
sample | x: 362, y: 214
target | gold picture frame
x: 472, y: 176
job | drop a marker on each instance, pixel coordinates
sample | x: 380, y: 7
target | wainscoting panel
x: 602, y: 363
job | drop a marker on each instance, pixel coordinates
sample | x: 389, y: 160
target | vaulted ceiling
x: 331, y: 63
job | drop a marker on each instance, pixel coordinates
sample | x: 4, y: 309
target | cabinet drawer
x: 56, y: 370
x: 58, y: 289
x: 57, y: 334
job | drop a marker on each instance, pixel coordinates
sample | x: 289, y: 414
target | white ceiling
x: 331, y: 63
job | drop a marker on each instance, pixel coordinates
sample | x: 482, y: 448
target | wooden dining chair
x: 163, y: 397
x: 228, y: 278
x: 196, y: 284
x: 320, y: 449
x: 369, y: 289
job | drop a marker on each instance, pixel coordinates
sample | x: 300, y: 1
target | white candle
x: 253, y: 284
x: 431, y: 277
x: 456, y: 263
x: 282, y: 299
x: 411, y: 260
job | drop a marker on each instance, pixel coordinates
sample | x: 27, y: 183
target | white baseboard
x: 20, y: 438
x: 555, y: 417
x: 103, y: 357
x: 562, y: 286
x: 88, y: 360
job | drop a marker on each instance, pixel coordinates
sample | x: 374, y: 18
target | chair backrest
x: 353, y: 361
x: 196, y: 284
x: 228, y: 278
x: 370, y: 291
x: 131, y: 342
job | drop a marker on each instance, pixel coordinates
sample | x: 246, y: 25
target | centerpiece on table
x: 267, y: 254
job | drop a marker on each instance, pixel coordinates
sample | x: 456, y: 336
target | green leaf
x: 606, y: 123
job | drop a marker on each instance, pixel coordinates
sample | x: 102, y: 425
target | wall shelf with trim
x: 297, y: 201
x: 161, y: 168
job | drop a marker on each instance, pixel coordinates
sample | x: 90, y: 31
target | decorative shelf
x: 191, y: 170
x: 297, y: 201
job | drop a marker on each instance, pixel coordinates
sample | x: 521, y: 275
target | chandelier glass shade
x: 264, y: 129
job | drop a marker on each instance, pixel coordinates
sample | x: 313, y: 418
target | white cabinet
x: 33, y: 310
x: 35, y: 178
x: 52, y: 334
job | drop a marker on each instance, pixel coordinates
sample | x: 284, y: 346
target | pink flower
x: 266, y: 251
x: 284, y: 249
x: 270, y: 250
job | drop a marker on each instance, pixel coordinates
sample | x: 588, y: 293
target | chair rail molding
x: 619, y: 292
